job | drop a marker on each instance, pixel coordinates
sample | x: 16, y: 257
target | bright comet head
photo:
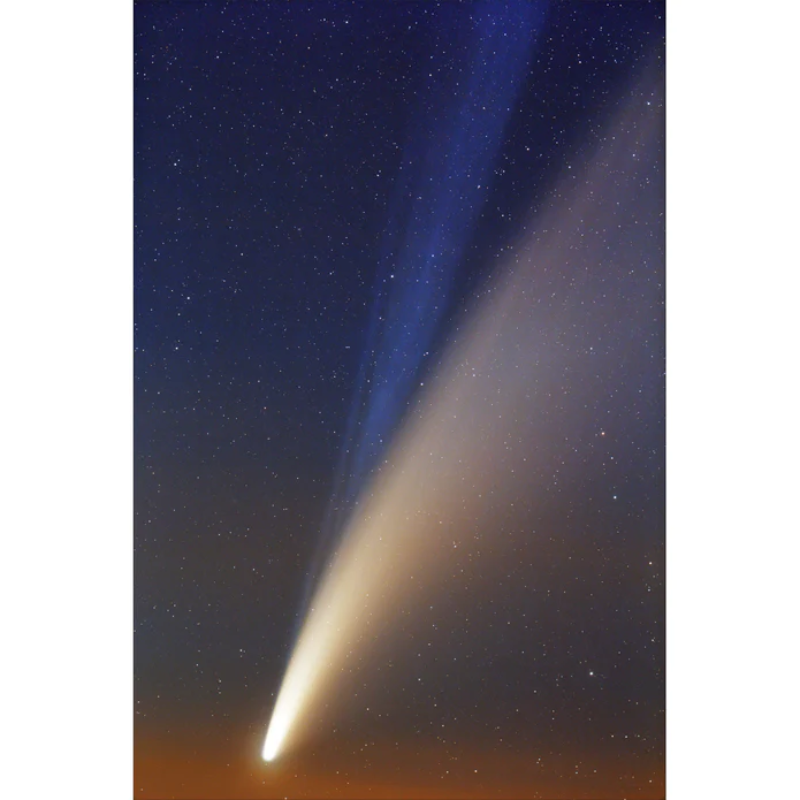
x: 276, y: 733
x: 270, y: 748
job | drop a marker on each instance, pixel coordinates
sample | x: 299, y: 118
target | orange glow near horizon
x: 407, y: 769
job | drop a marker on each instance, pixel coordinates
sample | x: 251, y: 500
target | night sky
x: 346, y: 216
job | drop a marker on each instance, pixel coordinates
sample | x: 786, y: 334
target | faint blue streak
x: 444, y: 176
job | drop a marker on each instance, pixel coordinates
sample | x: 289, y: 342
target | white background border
x: 66, y: 323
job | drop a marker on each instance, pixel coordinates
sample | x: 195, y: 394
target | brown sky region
x: 199, y: 767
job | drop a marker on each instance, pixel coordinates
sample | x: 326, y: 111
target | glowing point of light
x: 270, y: 750
x: 276, y: 732
x: 275, y: 735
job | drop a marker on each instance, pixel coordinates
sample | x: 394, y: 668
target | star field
x: 321, y: 216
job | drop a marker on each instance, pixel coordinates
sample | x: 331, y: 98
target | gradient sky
x: 327, y: 197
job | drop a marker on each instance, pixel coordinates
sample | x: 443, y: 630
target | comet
x: 479, y: 439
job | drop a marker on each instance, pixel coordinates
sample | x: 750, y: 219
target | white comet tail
x: 480, y: 441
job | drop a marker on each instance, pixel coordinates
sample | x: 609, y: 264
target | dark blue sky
x: 316, y: 199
